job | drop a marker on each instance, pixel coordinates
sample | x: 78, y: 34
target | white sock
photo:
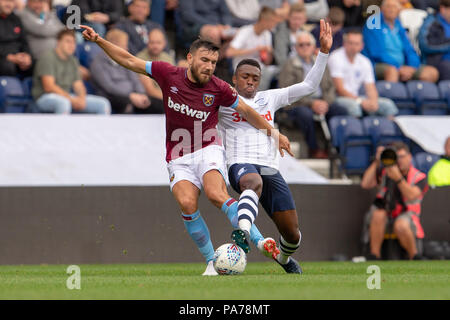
x: 247, y: 209
x: 245, y: 225
x: 287, y: 249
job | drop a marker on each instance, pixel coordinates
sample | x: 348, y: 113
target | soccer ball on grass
x: 229, y: 259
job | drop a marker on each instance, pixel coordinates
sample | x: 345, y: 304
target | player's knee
x: 188, y: 204
x: 252, y: 182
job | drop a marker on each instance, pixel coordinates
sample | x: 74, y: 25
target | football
x: 229, y: 259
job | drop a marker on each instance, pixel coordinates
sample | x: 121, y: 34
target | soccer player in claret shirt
x: 253, y: 166
x: 195, y: 154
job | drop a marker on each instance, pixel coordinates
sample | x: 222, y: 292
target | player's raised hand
x: 89, y: 34
x: 326, y: 36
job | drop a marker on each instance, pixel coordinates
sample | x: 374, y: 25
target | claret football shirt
x: 191, y: 109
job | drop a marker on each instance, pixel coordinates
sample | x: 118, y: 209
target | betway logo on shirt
x: 185, y: 109
x: 238, y: 118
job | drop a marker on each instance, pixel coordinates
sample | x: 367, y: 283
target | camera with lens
x: 388, y: 157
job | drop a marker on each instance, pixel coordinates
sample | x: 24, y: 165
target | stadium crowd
x: 410, y: 42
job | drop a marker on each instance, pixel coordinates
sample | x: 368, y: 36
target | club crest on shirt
x: 208, y: 99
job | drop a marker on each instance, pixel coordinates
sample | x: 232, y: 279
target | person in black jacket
x: 15, y: 55
x: 100, y: 14
x: 353, y: 10
x: 137, y: 25
x: 434, y: 40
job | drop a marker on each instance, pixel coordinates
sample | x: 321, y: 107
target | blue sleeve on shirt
x: 148, y: 67
x: 235, y: 104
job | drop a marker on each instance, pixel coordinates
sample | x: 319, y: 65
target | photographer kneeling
x: 401, y: 188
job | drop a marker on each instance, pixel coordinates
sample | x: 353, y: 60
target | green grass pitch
x: 265, y: 281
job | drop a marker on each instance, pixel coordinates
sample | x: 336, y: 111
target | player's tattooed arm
x: 255, y: 119
x: 119, y: 55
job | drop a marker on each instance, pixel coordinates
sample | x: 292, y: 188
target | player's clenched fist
x: 89, y: 34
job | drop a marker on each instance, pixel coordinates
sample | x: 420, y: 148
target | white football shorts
x: 193, y: 166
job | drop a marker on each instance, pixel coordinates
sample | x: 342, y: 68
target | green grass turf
x: 321, y: 280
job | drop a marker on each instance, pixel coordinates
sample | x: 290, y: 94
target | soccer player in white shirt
x: 252, y: 159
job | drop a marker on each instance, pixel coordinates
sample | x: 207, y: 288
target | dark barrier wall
x: 74, y: 225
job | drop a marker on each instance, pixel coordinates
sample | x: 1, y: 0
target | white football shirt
x: 353, y: 74
x: 246, y: 144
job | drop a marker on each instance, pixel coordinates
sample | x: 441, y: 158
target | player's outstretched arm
x: 119, y: 55
x: 259, y: 122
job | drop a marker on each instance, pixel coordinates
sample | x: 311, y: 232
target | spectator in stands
x: 406, y: 4
x: 159, y: 9
x: 243, y: 12
x: 351, y: 70
x: 434, y: 40
x: 335, y: 18
x: 281, y: 7
x: 315, y: 9
x: 154, y: 52
x: 284, y: 37
x: 15, y: 54
x: 19, y: 5
x: 205, y: 18
x: 41, y: 26
x: 390, y: 50
x: 439, y: 174
x: 401, y: 188
x: 64, y: 3
x: 255, y: 42
x: 55, y: 77
x: 319, y: 103
x: 119, y: 85
x: 100, y: 14
x: 137, y: 25
x: 353, y: 12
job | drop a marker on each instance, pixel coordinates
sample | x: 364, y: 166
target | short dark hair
x: 336, y: 15
x: 266, y: 12
x: 444, y: 3
x: 251, y: 62
x: 203, y: 43
x: 352, y: 31
x: 65, y: 32
x: 400, y: 145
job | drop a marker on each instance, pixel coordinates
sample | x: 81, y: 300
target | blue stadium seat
x: 427, y: 97
x: 89, y: 87
x: 27, y: 85
x: 12, y: 97
x: 444, y: 89
x: 424, y: 161
x: 352, y: 142
x: 382, y: 131
x: 86, y: 52
x: 397, y: 92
